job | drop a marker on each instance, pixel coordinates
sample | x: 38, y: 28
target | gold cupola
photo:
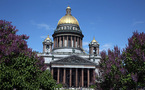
x: 94, y: 40
x: 68, y: 18
x: 48, y: 38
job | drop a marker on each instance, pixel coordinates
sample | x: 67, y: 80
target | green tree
x: 134, y: 60
x: 20, y: 67
x: 124, y: 70
x: 112, y: 70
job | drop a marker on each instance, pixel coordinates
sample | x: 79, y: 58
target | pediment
x: 73, y: 60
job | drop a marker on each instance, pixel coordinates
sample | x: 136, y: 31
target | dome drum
x: 68, y: 27
x: 67, y: 32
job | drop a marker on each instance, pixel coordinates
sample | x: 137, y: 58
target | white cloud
x: 138, y: 22
x: 42, y: 25
x: 43, y: 37
x: 85, y: 43
x: 106, y: 47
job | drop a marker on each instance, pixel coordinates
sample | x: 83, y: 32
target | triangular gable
x: 73, y: 60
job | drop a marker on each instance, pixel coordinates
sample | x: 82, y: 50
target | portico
x: 75, y: 73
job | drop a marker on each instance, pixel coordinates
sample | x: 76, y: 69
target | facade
x: 68, y: 62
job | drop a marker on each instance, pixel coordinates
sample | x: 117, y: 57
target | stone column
x: 74, y: 41
x: 58, y: 75
x: 54, y: 43
x: 60, y: 41
x: 63, y: 42
x: 94, y: 76
x: 78, y: 42
x: 64, y: 72
x: 57, y: 42
x: 88, y: 76
x: 67, y: 42
x: 70, y: 77
x: 71, y: 41
x: 81, y: 41
x: 91, y: 50
x: 98, y: 51
x: 82, y: 77
x: 76, y: 77
x: 52, y: 72
x: 50, y: 47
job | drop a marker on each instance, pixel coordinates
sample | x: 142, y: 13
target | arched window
x: 47, y: 46
x: 73, y: 28
x: 61, y: 28
x: 68, y: 27
x: 94, y: 51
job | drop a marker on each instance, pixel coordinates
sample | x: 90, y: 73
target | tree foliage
x: 124, y: 70
x: 134, y: 59
x: 20, y: 67
x: 112, y: 69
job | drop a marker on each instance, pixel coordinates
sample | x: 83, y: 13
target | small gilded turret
x: 94, y: 41
x: 48, y: 38
x: 94, y: 47
x: 47, y: 45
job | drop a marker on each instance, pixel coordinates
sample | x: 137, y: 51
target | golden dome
x: 48, y: 38
x: 94, y: 40
x: 68, y: 18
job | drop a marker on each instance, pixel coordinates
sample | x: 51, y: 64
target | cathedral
x: 65, y: 57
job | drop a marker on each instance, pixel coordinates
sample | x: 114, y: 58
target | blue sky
x: 110, y: 21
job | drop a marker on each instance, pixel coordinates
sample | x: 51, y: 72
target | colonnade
x: 73, y: 77
x: 67, y: 41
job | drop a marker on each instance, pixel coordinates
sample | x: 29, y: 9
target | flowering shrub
x: 111, y: 65
x: 20, y: 67
x: 134, y: 59
x: 124, y: 70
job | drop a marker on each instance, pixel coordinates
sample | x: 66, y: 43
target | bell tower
x: 94, y: 47
x: 94, y: 51
x: 47, y: 45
